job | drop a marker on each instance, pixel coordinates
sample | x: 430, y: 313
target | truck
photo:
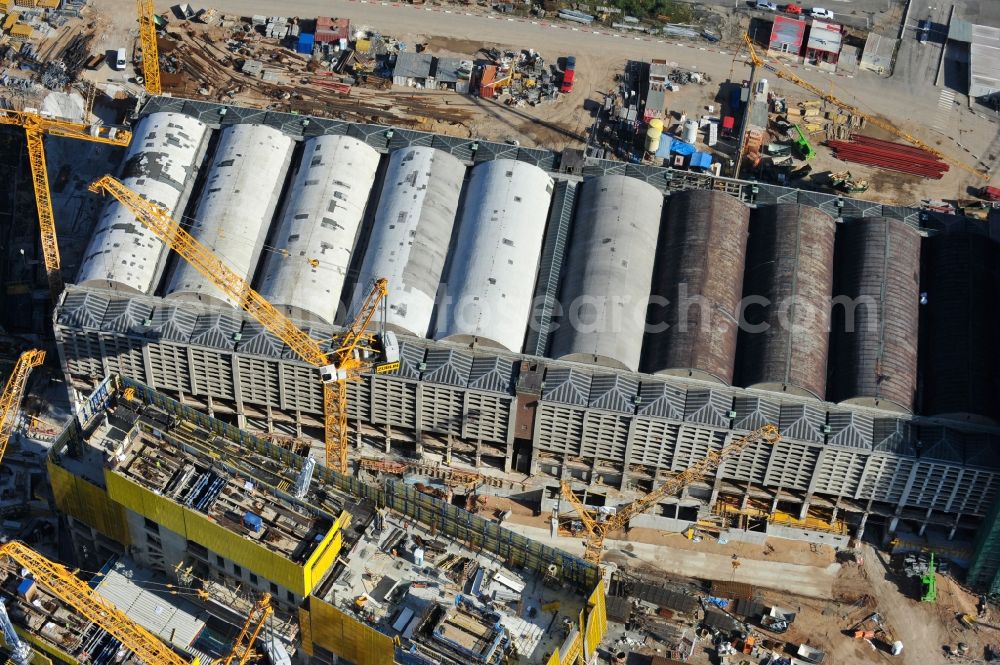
x: 989, y: 193
x: 569, y: 74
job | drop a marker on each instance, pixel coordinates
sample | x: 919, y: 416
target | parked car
x: 819, y: 12
x: 765, y: 5
x: 792, y: 8
x: 923, y: 31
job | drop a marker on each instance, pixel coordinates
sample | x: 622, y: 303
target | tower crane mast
x: 782, y: 72
x: 597, y: 529
x: 150, y: 51
x: 13, y: 393
x: 355, y: 351
x: 69, y: 588
x: 243, y: 647
x: 35, y: 127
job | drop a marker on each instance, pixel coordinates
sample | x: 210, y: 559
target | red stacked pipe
x: 889, y: 155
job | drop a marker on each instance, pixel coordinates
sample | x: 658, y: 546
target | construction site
x: 360, y: 349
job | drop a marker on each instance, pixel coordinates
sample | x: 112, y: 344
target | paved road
x: 810, y: 581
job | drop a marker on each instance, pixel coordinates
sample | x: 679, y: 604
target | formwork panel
x: 345, y: 636
x: 88, y: 503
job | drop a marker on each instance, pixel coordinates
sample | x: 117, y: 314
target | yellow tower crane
x: 599, y: 527
x: 243, y: 647
x: 150, y: 51
x: 355, y: 351
x: 35, y: 127
x: 69, y: 588
x: 782, y: 72
x: 13, y: 393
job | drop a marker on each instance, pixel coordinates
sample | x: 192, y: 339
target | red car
x: 792, y: 8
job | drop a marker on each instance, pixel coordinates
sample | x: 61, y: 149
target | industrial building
x: 489, y: 376
x: 205, y: 505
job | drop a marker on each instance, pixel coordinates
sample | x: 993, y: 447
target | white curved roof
x: 320, y: 223
x: 412, y: 231
x: 606, y: 282
x: 160, y: 165
x: 236, y: 205
x: 493, y: 265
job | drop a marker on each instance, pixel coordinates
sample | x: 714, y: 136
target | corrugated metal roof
x: 256, y: 340
x: 172, y: 323
x: 83, y: 310
x: 447, y: 366
x: 984, y: 61
x: 754, y: 412
x: 852, y: 430
x: 661, y: 400
x: 492, y: 373
x: 126, y: 316
x: 569, y: 386
x: 613, y: 392
x: 174, y: 621
x: 410, y: 358
x: 801, y: 421
x: 218, y: 330
x: 710, y: 407
x: 413, y: 65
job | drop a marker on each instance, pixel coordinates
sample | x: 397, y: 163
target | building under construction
x: 372, y: 573
x: 491, y: 252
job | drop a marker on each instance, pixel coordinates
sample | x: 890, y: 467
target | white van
x: 120, y: 60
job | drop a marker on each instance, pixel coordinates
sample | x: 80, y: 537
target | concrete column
x: 388, y: 438
x: 418, y: 416
x: 923, y: 527
x: 774, y: 502
x: 192, y: 370
x: 479, y: 452
x: 954, y: 527
x: 629, y: 440
x: 861, y: 526
x: 746, y: 498
x: 447, y: 449
x: 147, y: 367
x: 904, y: 497
x: 717, y: 481
x: 836, y: 509
x: 804, y: 511
x: 234, y: 366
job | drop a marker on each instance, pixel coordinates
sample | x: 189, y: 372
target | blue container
x: 305, y: 45
x: 253, y: 522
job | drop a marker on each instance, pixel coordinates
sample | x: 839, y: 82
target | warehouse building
x: 512, y: 239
